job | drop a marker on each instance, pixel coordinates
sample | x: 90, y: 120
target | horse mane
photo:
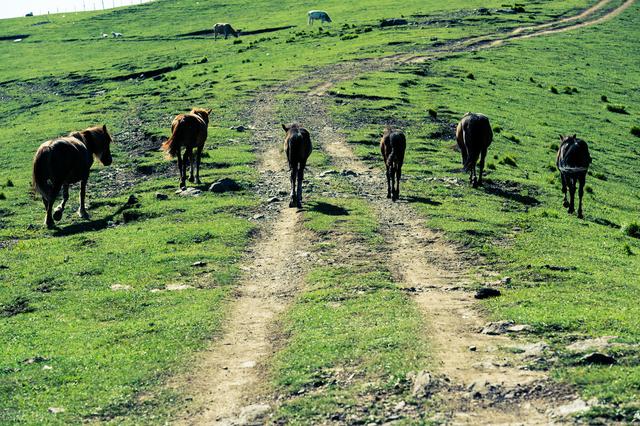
x: 202, y: 113
x: 93, y: 137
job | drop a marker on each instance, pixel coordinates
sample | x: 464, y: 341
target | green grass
x: 107, y: 348
x: 516, y: 222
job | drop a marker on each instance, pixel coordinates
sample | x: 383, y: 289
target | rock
x: 248, y: 364
x: 224, y: 185
x: 189, y: 192
x: 496, y: 328
x: 132, y: 200
x: 239, y: 128
x: 392, y: 22
x: 399, y: 406
x: 574, y: 407
x: 55, y: 410
x: 328, y: 173
x: 534, y: 349
x: 349, y: 173
x: 597, y: 358
x: 120, y: 287
x: 258, y: 216
x: 178, y: 287
x: 505, y: 281
x: 161, y: 196
x: 47, y: 367
x: 273, y: 200
x: 199, y: 263
x: 422, y: 383
x: 253, y: 414
x: 487, y: 292
x: 599, y: 343
x: 518, y: 328
x: 473, y: 348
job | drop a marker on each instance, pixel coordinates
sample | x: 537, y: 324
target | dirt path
x: 487, y: 385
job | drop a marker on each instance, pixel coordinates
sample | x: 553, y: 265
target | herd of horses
x: 63, y: 161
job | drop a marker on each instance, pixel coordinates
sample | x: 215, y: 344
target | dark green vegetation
x: 81, y: 299
x: 571, y: 278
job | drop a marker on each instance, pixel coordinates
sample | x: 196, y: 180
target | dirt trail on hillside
x: 486, y: 385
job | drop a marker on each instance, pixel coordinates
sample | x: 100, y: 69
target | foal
x: 392, y: 146
x: 573, y: 161
x: 188, y: 130
x: 63, y: 161
x: 297, y: 145
x: 474, y: 135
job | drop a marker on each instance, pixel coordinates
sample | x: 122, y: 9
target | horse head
x: 103, y: 146
x: 202, y: 113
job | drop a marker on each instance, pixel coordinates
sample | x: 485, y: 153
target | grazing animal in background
x: 474, y: 135
x: 116, y: 35
x: 392, y: 145
x: 318, y: 15
x: 66, y: 160
x: 188, y: 131
x: 224, y: 29
x: 573, y: 161
x: 103, y: 35
x: 297, y: 145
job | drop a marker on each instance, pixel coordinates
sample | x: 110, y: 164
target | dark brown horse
x: 297, y: 145
x: 573, y: 161
x: 474, y: 135
x: 188, y: 131
x: 392, y: 145
x: 63, y: 161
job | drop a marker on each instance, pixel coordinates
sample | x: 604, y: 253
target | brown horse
x: 392, y: 146
x: 63, y: 161
x: 474, y: 135
x: 188, y: 130
x: 573, y: 161
x: 297, y: 145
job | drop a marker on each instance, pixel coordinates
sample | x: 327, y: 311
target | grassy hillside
x: 88, y: 320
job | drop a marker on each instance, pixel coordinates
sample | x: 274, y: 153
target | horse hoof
x: 388, y: 195
x: 50, y: 225
x: 83, y: 214
x: 580, y: 215
x: 191, y: 179
x: 292, y: 204
x: 565, y: 204
x: 57, y: 215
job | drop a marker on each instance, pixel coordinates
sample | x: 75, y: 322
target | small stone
x: 496, y: 328
x: 248, y: 364
x: 328, y: 173
x: 178, y: 287
x: 505, y: 281
x: 487, y: 292
x: 224, y: 185
x: 56, y: 410
x: 473, y: 348
x: 518, y: 328
x: 258, y: 216
x: 273, y: 200
x: 254, y: 414
x: 422, y: 382
x: 189, y: 192
x: 199, y: 263
x: 161, y: 196
x: 349, y: 173
x: 120, y: 287
x: 597, y: 358
x: 399, y: 406
x: 47, y: 367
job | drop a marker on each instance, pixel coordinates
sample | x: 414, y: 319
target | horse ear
x: 285, y: 128
x: 575, y: 135
x: 209, y: 111
x: 104, y: 128
x: 561, y: 137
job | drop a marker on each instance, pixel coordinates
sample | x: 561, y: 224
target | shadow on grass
x: 90, y: 225
x: 328, y: 209
x: 510, y: 193
x: 424, y: 200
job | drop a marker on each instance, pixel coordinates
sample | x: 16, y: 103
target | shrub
x: 2, y: 196
x: 554, y: 147
x: 600, y: 176
x: 604, y: 98
x: 632, y: 229
x: 627, y: 249
x: 551, y: 167
x: 553, y: 90
x: 470, y: 76
x: 618, y: 109
x: 512, y: 138
x: 9, y: 183
x: 635, y: 131
x: 497, y: 129
x: 237, y: 41
x: 588, y: 189
x: 433, y: 113
x: 491, y: 166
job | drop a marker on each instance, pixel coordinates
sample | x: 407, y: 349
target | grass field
x: 88, y: 318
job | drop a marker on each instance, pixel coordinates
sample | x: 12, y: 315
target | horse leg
x: 198, y: 157
x: 581, y: 180
x: 48, y: 205
x: 82, y: 211
x: 572, y: 194
x: 300, y: 179
x: 294, y: 172
x: 565, y: 202
x: 191, y: 164
x: 389, y: 189
x: 182, y: 183
x: 398, y: 174
x: 483, y: 154
x: 57, y: 214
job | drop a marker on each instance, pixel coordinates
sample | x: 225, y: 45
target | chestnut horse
x: 474, y: 135
x: 188, y: 130
x: 297, y: 145
x: 573, y: 161
x: 63, y: 161
x: 392, y: 146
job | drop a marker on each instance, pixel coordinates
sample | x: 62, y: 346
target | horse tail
x: 171, y: 146
x: 472, y: 156
x: 40, y: 177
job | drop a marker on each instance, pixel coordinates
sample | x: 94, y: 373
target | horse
x: 225, y: 29
x: 318, y: 15
x: 573, y: 162
x: 116, y: 35
x: 66, y: 160
x: 392, y: 146
x: 188, y: 130
x: 474, y: 135
x: 297, y: 146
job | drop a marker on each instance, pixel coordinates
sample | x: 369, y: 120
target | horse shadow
x: 423, y: 200
x: 329, y: 209
x: 510, y: 193
x: 91, y: 225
